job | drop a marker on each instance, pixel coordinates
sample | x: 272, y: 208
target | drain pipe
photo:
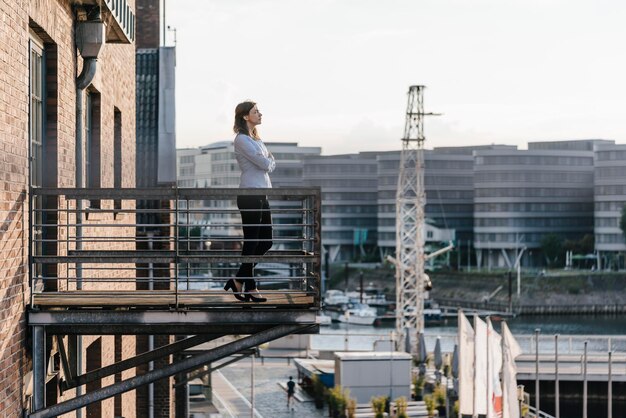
x: 150, y: 337
x: 89, y: 39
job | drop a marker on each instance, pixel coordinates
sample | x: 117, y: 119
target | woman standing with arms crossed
x: 255, y: 162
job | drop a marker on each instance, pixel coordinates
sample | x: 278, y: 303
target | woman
x: 255, y: 162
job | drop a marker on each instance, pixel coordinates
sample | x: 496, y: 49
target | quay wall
x: 555, y: 292
x: 562, y: 293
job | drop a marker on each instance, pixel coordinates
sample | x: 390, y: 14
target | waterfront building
x: 449, y: 210
x: 43, y: 47
x: 492, y: 201
x: 349, y: 184
x: 609, y: 202
x: 520, y: 196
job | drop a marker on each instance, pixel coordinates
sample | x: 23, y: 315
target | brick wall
x: 53, y: 22
x: 13, y: 202
x: 148, y: 24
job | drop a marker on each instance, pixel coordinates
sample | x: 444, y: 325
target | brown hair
x: 240, y: 126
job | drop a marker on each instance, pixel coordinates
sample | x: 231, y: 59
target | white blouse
x: 255, y: 162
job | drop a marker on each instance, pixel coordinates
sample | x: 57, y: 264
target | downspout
x: 84, y: 79
x: 89, y: 38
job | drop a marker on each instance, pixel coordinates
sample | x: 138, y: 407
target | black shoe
x: 250, y: 298
x: 230, y: 285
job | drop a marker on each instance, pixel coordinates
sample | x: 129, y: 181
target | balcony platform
x: 217, y: 321
x: 164, y: 298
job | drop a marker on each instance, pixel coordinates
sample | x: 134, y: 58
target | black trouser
x: 257, y: 234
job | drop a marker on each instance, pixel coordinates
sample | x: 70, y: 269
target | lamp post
x: 252, y: 385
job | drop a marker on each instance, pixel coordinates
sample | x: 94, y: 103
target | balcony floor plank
x: 92, y: 298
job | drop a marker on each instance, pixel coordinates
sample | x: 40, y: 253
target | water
x: 600, y: 331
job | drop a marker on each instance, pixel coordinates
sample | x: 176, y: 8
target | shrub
x: 351, y: 407
x: 378, y: 405
x: 429, y: 400
x: 338, y: 401
x: 440, y: 395
x: 401, y: 406
x: 418, y: 386
x: 318, y: 391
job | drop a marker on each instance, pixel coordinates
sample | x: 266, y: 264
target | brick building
x: 45, y: 144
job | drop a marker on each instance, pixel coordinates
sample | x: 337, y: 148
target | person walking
x: 255, y: 162
x: 291, y: 390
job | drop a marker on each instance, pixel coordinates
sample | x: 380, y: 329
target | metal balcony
x: 154, y: 261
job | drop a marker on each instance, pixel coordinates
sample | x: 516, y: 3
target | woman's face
x: 254, y: 117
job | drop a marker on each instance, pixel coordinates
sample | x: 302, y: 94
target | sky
x: 335, y: 73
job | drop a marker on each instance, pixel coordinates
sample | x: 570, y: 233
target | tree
x: 585, y: 245
x: 552, y: 247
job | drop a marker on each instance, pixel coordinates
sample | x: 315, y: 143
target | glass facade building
x: 493, y: 200
x: 609, y: 201
x: 349, y: 193
x: 520, y: 196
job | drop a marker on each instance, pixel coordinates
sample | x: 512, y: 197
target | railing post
x: 537, y: 370
x: 31, y: 265
x: 610, y: 391
x: 252, y: 386
x: 556, y: 376
x: 585, y: 382
x: 176, y: 258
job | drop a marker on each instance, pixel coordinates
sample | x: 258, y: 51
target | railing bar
x: 191, y: 279
x: 193, y: 211
x: 129, y: 240
x: 157, y: 211
x: 203, y: 267
x: 162, y: 292
x: 120, y: 225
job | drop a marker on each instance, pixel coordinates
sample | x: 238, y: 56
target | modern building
x: 521, y: 196
x: 155, y: 167
x: 609, y: 202
x: 349, y: 202
x: 59, y: 131
x: 495, y: 202
x: 449, y: 210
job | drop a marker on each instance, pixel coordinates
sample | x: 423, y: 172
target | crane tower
x: 410, y: 201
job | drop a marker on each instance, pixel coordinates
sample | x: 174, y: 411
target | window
x: 36, y: 133
x: 92, y: 144
x: 117, y: 154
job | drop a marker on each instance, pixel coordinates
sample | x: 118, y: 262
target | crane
x: 411, y: 281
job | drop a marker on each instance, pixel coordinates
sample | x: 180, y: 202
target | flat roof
x: 373, y: 355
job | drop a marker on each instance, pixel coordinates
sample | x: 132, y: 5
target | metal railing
x: 169, y: 241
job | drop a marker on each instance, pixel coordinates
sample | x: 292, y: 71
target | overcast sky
x: 335, y: 73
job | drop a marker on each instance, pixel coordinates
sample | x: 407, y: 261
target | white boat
x: 359, y: 314
x: 335, y: 297
x: 323, y: 319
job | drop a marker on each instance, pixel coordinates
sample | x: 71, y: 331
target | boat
x: 335, y: 297
x: 432, y: 312
x: 358, y: 314
x: 323, y: 319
